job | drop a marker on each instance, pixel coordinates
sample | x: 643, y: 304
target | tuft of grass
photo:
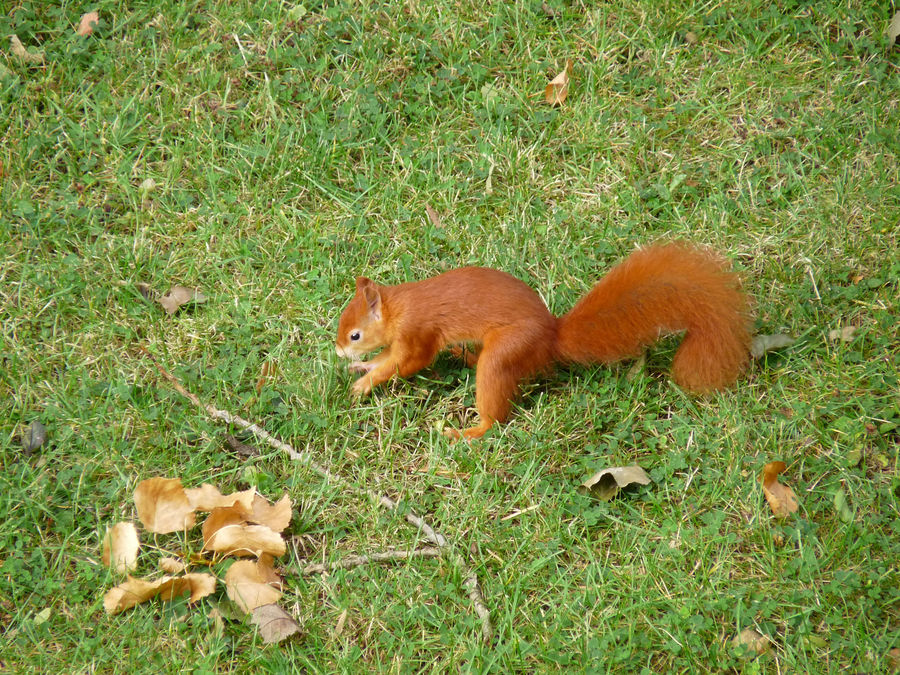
x: 292, y: 150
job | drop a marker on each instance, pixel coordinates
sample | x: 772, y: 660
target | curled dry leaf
x: 132, y: 592
x: 767, y: 343
x: 179, y: 296
x: 162, y: 505
x: 87, y: 23
x: 222, y: 516
x: 752, y: 641
x: 207, y: 497
x: 18, y: 50
x: 275, y: 624
x: 606, y: 483
x: 245, y: 540
x: 249, y: 584
x: 120, y: 547
x: 171, y: 565
x: 227, y: 531
x: 780, y: 497
x: 135, y: 591
x: 556, y: 92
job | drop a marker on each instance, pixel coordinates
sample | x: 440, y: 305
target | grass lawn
x: 270, y: 152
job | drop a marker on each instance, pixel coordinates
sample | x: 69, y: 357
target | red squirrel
x: 662, y: 289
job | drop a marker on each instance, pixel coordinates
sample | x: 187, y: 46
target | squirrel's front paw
x: 362, y: 387
x: 360, y: 367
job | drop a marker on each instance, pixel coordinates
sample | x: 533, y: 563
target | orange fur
x: 661, y: 289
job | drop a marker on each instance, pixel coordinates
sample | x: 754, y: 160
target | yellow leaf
x: 120, y: 547
x: 557, y: 90
x: 162, y: 505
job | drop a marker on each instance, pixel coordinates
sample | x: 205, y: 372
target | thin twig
x: 471, y: 579
x: 385, y: 556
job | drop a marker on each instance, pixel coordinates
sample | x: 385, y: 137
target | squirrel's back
x: 465, y: 303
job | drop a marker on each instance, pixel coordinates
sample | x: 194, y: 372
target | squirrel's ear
x: 372, y: 297
x: 362, y: 282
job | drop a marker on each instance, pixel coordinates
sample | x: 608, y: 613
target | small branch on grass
x: 432, y: 536
x: 385, y: 556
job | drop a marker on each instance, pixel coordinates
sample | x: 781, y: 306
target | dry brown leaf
x: 132, y: 592
x: 557, y: 90
x: 275, y: 624
x: 274, y: 516
x: 120, y: 547
x: 135, y: 591
x: 87, y: 23
x: 434, y: 217
x: 179, y: 296
x: 247, y: 585
x: 245, y: 540
x: 606, y: 483
x: 171, y: 565
x: 223, y: 516
x: 780, y: 497
x: 207, y: 497
x: 162, y: 505
x: 18, y: 50
x: 198, y: 585
x: 752, y: 640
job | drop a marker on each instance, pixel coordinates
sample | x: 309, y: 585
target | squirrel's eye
x: 355, y: 335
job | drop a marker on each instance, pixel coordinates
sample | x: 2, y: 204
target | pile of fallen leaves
x: 241, y: 525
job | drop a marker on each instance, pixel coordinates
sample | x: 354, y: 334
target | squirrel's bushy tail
x: 659, y: 290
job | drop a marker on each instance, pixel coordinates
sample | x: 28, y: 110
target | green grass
x: 290, y: 156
